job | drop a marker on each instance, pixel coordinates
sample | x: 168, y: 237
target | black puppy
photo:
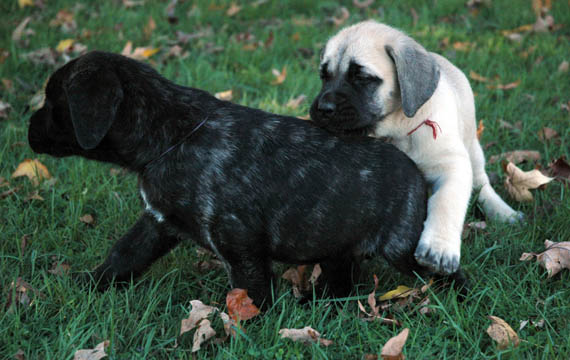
x: 250, y: 186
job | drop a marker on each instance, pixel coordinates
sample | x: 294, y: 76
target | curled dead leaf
x: 546, y: 134
x: 87, y: 219
x: 306, y: 335
x: 202, y: 334
x: 392, y: 350
x: 555, y: 258
x: 560, y: 169
x: 342, y: 14
x: 299, y: 281
x: 516, y: 156
x: 518, y: 182
x: 92, y: 354
x: 21, y: 293
x: 502, y: 333
x: 240, y: 306
x: 198, y: 312
x: 474, y: 76
x: 33, y: 169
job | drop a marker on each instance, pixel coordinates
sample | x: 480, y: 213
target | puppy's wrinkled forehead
x: 362, y: 44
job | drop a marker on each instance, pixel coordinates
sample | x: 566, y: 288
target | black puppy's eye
x: 324, y: 73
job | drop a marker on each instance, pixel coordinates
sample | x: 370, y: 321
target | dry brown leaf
x: 306, y: 335
x: 555, y: 258
x: 342, y: 14
x: 34, y: 195
x: 539, y: 7
x: 149, y: 27
x: 59, y: 268
x: 225, y: 95
x: 202, y: 334
x: 4, y: 109
x: 370, y: 357
x: 33, y: 169
x: 132, y: 3
x: 233, y: 9
x: 19, y: 355
x: 198, y: 313
x: 64, y: 19
x: 518, y: 182
x: 502, y: 333
x: 463, y: 45
x: 546, y: 134
x: 298, y: 279
x: 11, y: 191
x: 508, y: 86
x: 295, y: 102
x: 87, y: 219
x: 563, y: 67
x: 240, y: 306
x: 43, y: 56
x: 560, y: 169
x: 21, y: 29
x: 92, y: 354
x: 279, y: 76
x: 516, y: 157
x: 362, y: 4
x: 375, y: 310
x: 392, y: 350
x: 23, y: 293
x: 480, y: 129
x: 474, y: 76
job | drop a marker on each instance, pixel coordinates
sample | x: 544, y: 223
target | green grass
x: 143, y: 320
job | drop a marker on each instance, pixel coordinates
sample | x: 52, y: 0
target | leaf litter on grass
x: 554, y: 259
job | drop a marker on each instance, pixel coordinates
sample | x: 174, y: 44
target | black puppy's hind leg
x: 133, y: 253
x: 338, y: 276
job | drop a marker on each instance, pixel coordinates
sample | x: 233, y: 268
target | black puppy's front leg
x: 133, y: 253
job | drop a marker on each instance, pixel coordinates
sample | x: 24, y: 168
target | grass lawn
x: 238, y: 52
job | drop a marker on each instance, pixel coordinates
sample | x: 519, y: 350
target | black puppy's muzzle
x: 332, y: 110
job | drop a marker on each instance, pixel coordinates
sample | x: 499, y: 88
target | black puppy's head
x: 369, y: 71
x: 82, y: 101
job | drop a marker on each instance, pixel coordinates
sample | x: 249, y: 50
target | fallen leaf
x: 463, y: 45
x: 279, y: 76
x: 362, y: 4
x: 375, y: 310
x: 87, y: 219
x: 539, y: 323
x: 398, y: 292
x: 473, y: 75
x: 202, y: 334
x: 392, y: 350
x: 149, y: 27
x: 516, y: 157
x: 516, y: 37
x: 563, y: 67
x: 539, y: 7
x: 502, y: 333
x: 473, y: 226
x: 64, y: 45
x: 295, y: 102
x: 560, y: 169
x: 64, y: 19
x: 92, y: 354
x: 522, y: 324
x: 139, y: 53
x: 546, y: 134
x: 555, y: 258
x: 305, y: 335
x: 4, y: 109
x: 24, y: 3
x: 43, y: 56
x: 518, y: 182
x: 300, y: 283
x: 33, y: 169
x: 37, y: 101
x: 508, y: 86
x: 370, y: 357
x: 184, y: 38
x: 19, y: 355
x: 543, y: 24
x: 12, y: 191
x: 507, y: 125
x: 59, y: 268
x: 21, y: 29
x: 4, y: 54
x: 342, y: 14
x: 23, y: 293
x: 198, y: 313
x: 269, y: 41
x: 480, y: 129
x: 225, y: 95
x: 240, y: 306
x: 131, y: 3
x: 24, y: 242
x: 233, y: 9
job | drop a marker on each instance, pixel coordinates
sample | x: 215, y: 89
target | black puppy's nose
x: 327, y: 103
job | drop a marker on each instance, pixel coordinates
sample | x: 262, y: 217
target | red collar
x: 431, y: 124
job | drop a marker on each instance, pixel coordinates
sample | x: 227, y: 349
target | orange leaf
x: 240, y: 306
x: 480, y: 129
x: 473, y: 75
x: 33, y: 169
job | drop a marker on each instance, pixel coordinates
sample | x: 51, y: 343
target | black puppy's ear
x: 418, y: 75
x: 94, y: 98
